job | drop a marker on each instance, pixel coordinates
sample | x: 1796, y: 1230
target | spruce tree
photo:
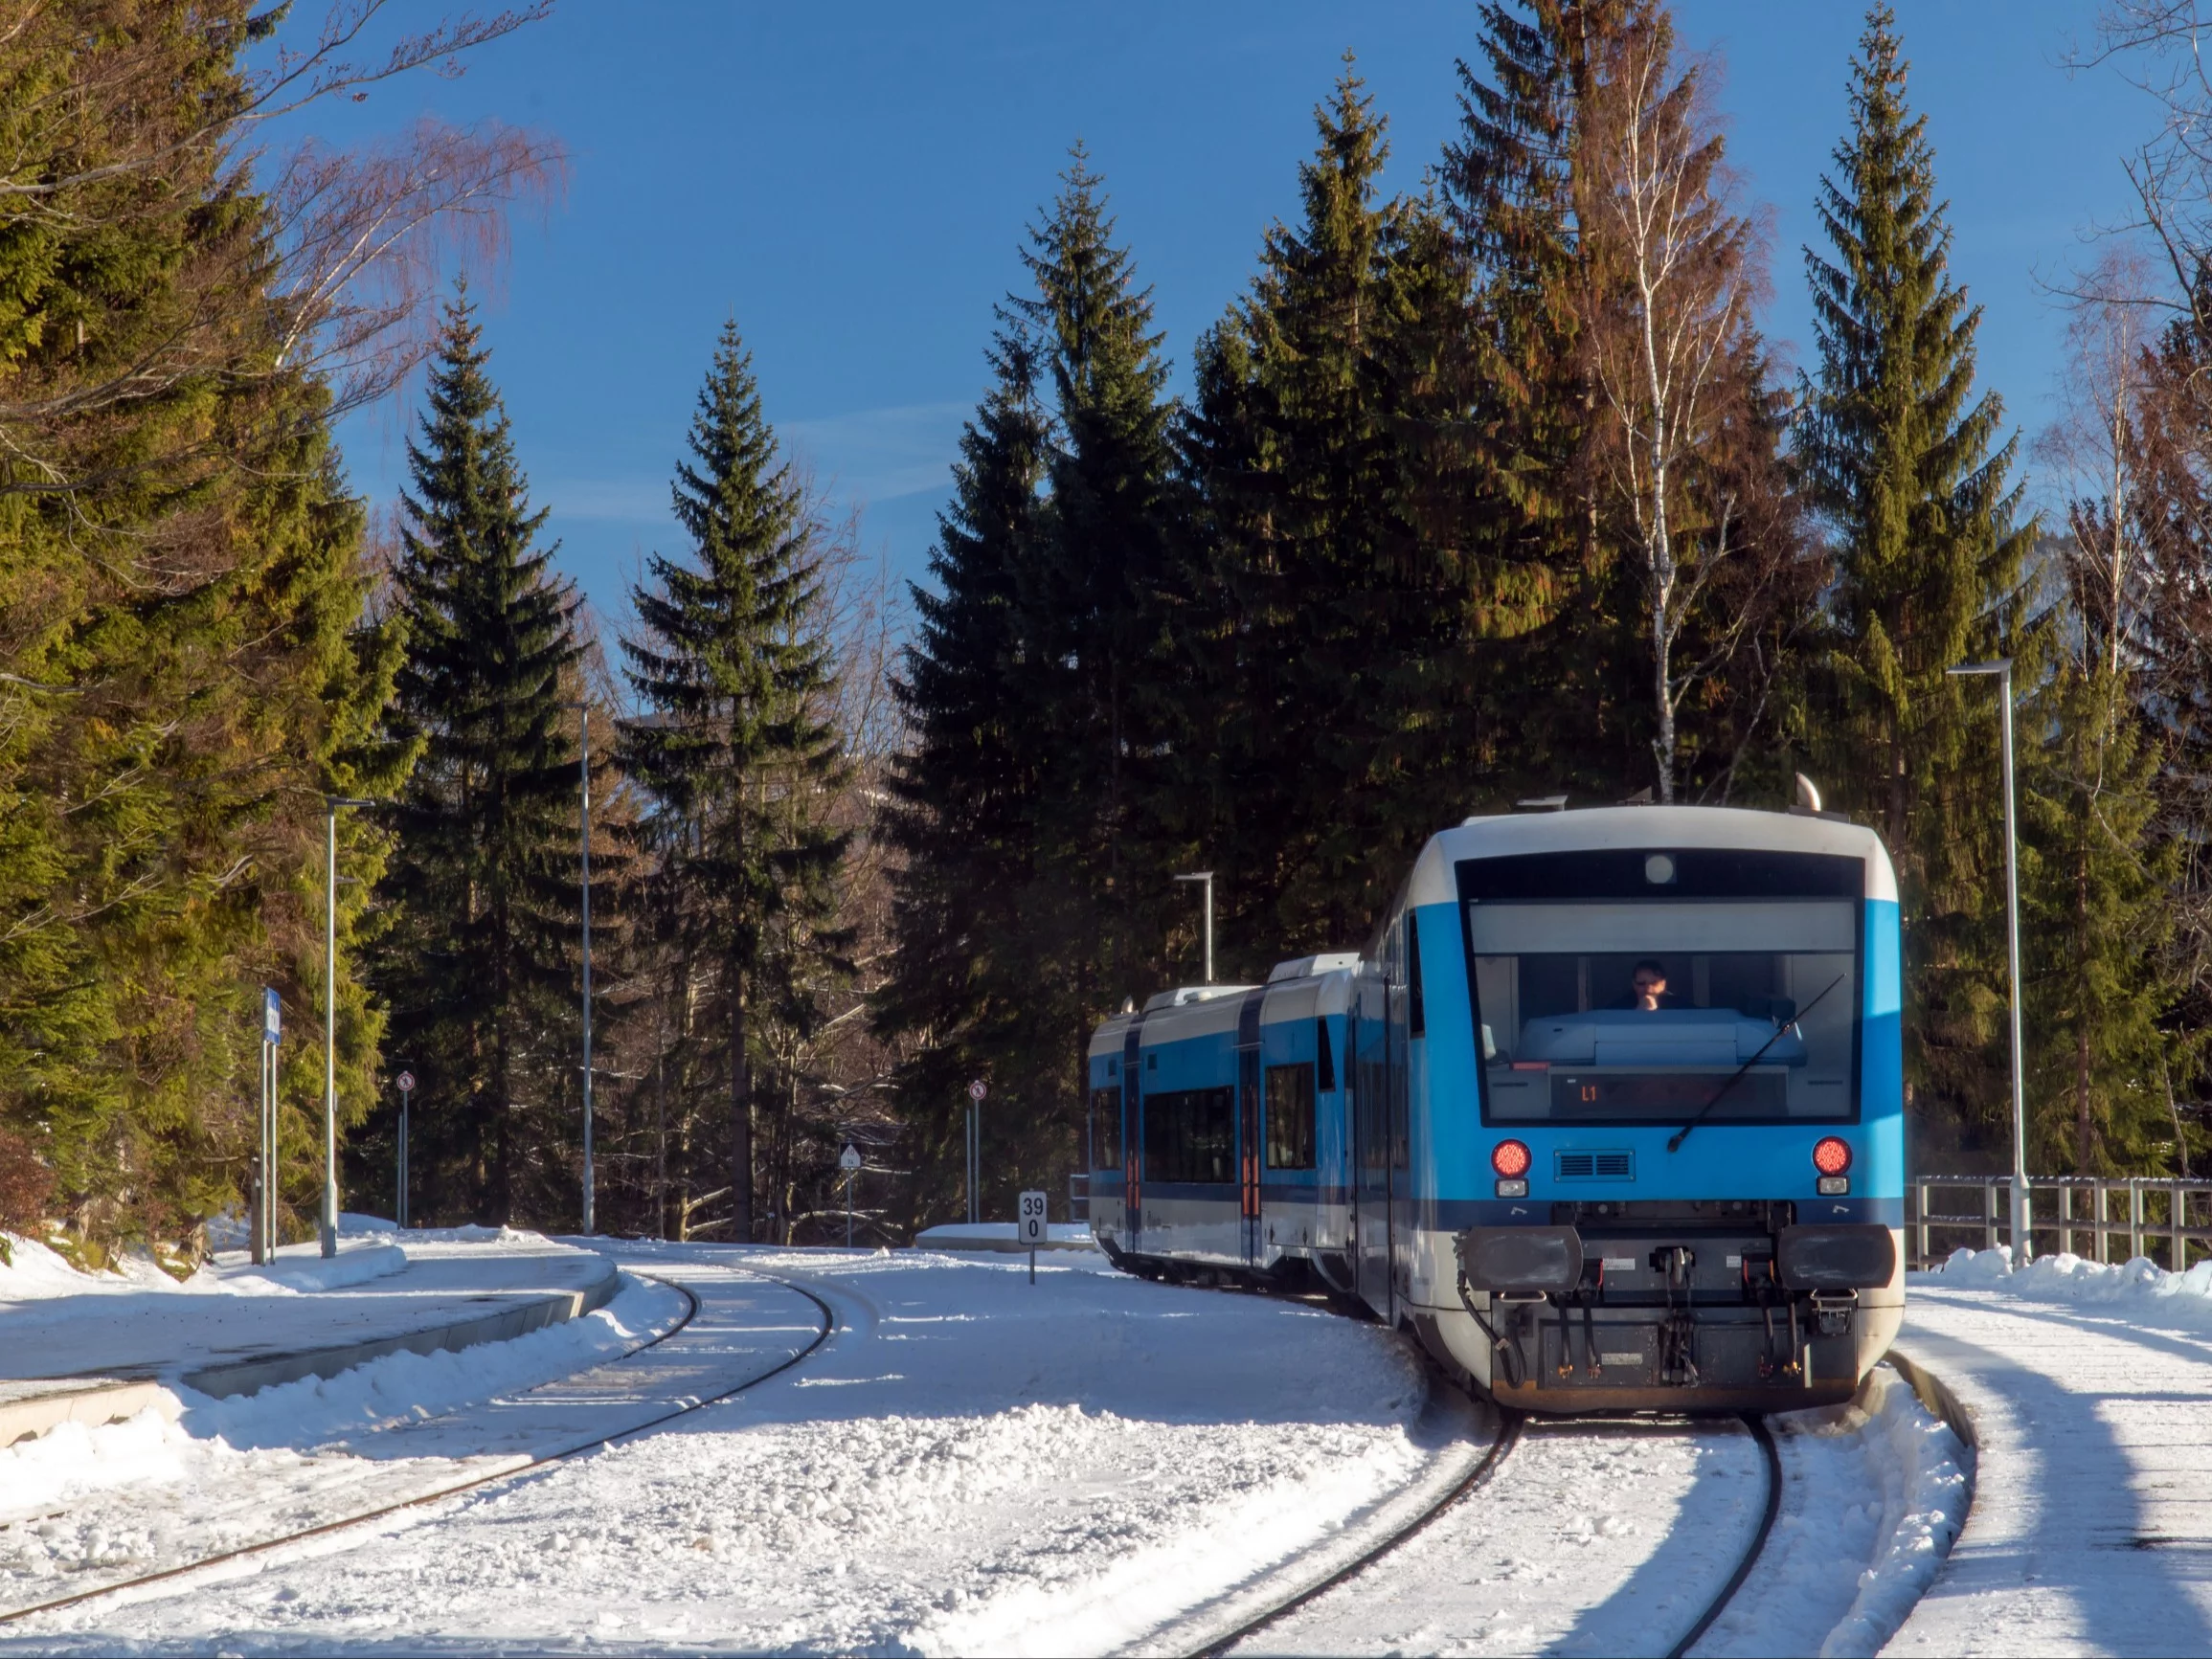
x: 971, y: 964
x: 1338, y: 672
x: 478, y: 965
x: 183, y: 587
x: 1907, y: 465
x: 733, y: 667
x: 2097, y: 886
x: 1109, y: 556
x: 1046, y: 806
x: 1548, y: 597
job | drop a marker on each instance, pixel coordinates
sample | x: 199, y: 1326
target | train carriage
x: 1217, y: 1125
x: 1618, y: 1122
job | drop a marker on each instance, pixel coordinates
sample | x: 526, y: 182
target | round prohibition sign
x: 977, y: 1089
x: 406, y: 1081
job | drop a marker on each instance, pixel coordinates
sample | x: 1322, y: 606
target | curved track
x: 420, y: 1500
x: 1757, y: 1424
x: 1375, y: 1580
x: 1501, y: 1448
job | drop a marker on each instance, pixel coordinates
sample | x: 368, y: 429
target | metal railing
x: 2101, y: 1220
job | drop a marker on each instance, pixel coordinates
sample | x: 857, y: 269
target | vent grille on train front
x: 1594, y: 1166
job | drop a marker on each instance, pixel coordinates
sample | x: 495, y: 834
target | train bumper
x: 1637, y: 1314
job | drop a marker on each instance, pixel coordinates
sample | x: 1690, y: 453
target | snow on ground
x: 149, y: 1492
x: 1612, y: 1537
x: 971, y: 1465
x: 137, y: 1321
x: 1598, y: 1538
x: 36, y: 1273
x: 1873, y: 1494
x: 2091, y: 1389
x: 954, y: 1235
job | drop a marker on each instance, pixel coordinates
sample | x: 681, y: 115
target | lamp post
x: 2023, y: 1245
x: 329, y: 1228
x: 584, y: 853
x: 1205, y: 878
x: 406, y: 1100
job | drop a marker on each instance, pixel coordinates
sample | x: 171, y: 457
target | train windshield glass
x: 1652, y: 1010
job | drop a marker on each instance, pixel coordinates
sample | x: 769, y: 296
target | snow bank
x: 1879, y: 1485
x: 369, y: 1247
x: 211, y: 1440
x: 302, y: 1268
x: 39, y: 1274
x: 953, y: 1236
x: 2130, y: 1290
x: 414, y: 1387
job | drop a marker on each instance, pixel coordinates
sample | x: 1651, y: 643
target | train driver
x: 1650, y: 993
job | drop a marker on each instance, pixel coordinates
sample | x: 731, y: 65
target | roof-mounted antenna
x: 1542, y: 803
x: 1641, y: 797
x: 1808, y: 795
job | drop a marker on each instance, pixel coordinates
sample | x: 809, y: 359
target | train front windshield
x: 1661, y: 1009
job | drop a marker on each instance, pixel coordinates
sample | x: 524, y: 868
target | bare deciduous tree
x: 1674, y: 273
x: 331, y: 279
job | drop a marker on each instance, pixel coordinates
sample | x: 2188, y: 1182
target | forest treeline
x: 1480, y: 493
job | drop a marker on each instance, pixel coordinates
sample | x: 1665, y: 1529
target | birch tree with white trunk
x: 1674, y: 271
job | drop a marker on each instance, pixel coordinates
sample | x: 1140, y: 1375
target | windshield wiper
x: 1683, y: 1133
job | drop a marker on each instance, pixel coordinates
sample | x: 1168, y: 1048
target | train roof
x: 1658, y: 827
x: 1298, y: 988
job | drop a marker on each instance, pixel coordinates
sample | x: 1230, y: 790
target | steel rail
x: 325, y: 1528
x: 1509, y: 1425
x: 1719, y: 1605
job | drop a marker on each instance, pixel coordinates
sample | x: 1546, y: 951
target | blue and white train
x: 1610, y: 1114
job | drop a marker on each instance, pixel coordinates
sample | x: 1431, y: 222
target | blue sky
x: 851, y: 183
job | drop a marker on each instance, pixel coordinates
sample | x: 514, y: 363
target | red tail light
x: 1510, y: 1159
x: 1832, y: 1157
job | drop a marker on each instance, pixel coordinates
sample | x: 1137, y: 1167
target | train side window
x: 1106, y: 1127
x: 1327, y: 1059
x: 1189, y: 1135
x: 1290, y: 1116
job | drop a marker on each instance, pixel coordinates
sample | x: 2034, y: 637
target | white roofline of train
x: 1194, y: 1010
x: 1593, y: 829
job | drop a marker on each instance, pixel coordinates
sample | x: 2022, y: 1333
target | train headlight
x: 1511, y: 1160
x: 1832, y: 1158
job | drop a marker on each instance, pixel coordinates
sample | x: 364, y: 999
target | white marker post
x: 264, y: 1228
x: 975, y: 1092
x: 1032, y: 1232
x: 848, y: 1160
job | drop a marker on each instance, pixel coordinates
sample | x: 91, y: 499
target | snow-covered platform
x: 2090, y: 1394
x: 90, y: 1348
x: 1002, y: 1236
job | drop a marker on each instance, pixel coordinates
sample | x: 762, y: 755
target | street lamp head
x: 1197, y: 876
x: 335, y: 801
x: 1999, y: 665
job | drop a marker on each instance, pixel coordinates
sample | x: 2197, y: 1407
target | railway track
x: 1719, y: 1605
x: 420, y: 1500
x: 1508, y: 1437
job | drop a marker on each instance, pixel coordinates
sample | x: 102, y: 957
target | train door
x: 1371, y: 1139
x: 1132, y: 1137
x: 1247, y: 1125
x: 1403, y: 996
